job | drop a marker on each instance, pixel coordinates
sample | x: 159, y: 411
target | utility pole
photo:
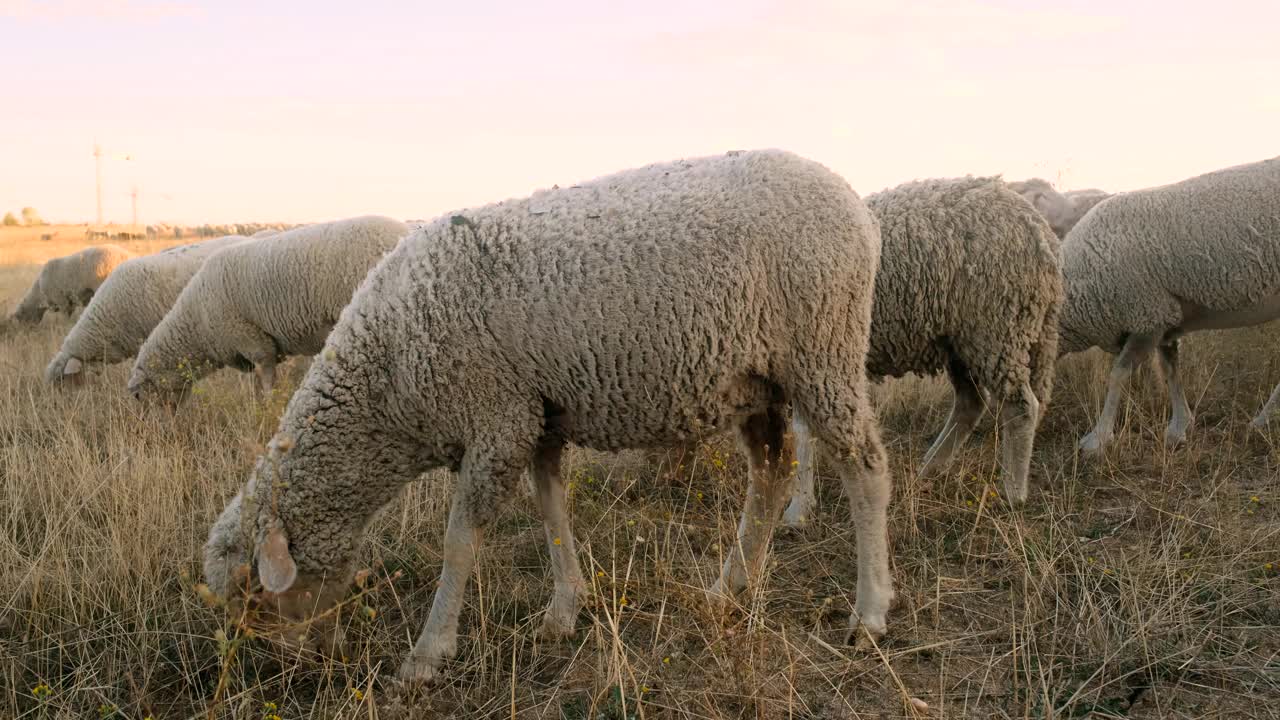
x: 134, y: 194
x: 97, y: 162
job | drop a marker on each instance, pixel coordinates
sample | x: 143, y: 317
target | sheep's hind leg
x: 1181, y: 420
x: 485, y: 482
x: 966, y: 408
x: 804, y: 497
x: 569, y: 586
x: 863, y: 466
x: 1019, y: 416
x: 1135, y: 349
x: 763, y: 437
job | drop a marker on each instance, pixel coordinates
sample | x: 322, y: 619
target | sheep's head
x: 65, y: 369
x: 281, y: 601
x: 30, y: 310
x: 164, y: 386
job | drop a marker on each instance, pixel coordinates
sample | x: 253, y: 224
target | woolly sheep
x: 646, y: 308
x: 970, y: 282
x: 67, y: 283
x: 254, y: 303
x: 128, y: 307
x: 1062, y: 210
x: 1147, y: 267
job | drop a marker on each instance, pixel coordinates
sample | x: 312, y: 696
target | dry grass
x: 1144, y: 586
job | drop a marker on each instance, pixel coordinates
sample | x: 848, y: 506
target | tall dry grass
x: 1143, y: 586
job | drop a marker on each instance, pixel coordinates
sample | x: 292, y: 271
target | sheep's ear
x: 275, y: 565
x: 73, y: 367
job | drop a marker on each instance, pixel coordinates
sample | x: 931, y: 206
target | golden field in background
x: 1144, y: 586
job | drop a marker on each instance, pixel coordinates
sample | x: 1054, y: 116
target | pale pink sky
x: 297, y: 111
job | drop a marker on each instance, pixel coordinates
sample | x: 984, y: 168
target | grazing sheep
x: 970, y: 282
x: 67, y: 283
x: 1147, y: 267
x: 647, y: 308
x: 128, y: 306
x: 1062, y: 210
x: 252, y: 304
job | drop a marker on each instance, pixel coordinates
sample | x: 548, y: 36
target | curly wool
x: 969, y: 271
x: 129, y: 305
x: 1062, y: 210
x: 647, y: 308
x: 1143, y: 261
x: 69, y: 282
x: 253, y: 303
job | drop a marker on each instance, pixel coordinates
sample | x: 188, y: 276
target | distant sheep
x: 646, y: 308
x: 128, y: 306
x: 1145, y: 268
x: 255, y: 303
x: 970, y: 282
x: 67, y: 283
x: 1062, y: 210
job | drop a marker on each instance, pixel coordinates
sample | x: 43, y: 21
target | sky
x: 289, y: 111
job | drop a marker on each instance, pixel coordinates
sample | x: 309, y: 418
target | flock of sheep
x: 657, y: 307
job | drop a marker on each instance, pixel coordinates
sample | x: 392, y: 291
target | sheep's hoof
x: 1261, y: 423
x: 1015, y: 493
x: 418, y: 670
x: 1091, y: 445
x: 554, y: 629
x: 797, y: 514
x: 865, y: 633
x: 719, y: 600
x: 1174, y: 439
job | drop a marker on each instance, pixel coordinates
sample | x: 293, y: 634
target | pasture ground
x: 1141, y: 586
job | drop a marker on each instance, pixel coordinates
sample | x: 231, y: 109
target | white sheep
x: 1062, y: 210
x: 254, y: 303
x: 128, y: 306
x: 647, y: 308
x: 67, y: 283
x: 1145, y: 268
x: 970, y: 282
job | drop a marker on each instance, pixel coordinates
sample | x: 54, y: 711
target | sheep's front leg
x: 490, y: 471
x: 1269, y: 410
x: 569, y: 585
x: 264, y: 371
x: 1135, y: 350
x: 763, y: 437
x: 1181, y: 420
x: 804, y: 497
x: 439, y: 638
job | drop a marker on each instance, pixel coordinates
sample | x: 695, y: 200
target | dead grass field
x: 1143, y: 586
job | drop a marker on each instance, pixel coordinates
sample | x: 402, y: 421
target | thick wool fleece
x: 67, y: 283
x: 646, y: 308
x: 1062, y: 210
x: 969, y: 273
x: 129, y: 305
x: 1146, y: 262
x: 253, y: 303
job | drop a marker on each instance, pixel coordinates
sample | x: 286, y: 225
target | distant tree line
x: 30, y: 218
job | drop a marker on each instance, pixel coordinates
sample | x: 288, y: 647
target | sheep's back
x: 967, y: 263
x: 653, y: 302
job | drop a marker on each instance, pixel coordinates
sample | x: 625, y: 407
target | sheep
x: 1062, y: 210
x: 128, y: 307
x: 970, y: 282
x: 252, y: 304
x: 1145, y: 268
x: 647, y: 308
x: 67, y: 283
